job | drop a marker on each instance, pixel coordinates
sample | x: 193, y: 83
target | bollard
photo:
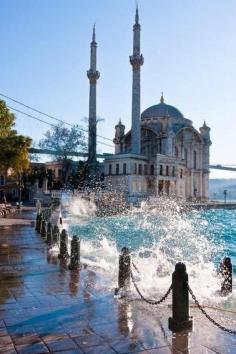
x: 75, y: 254
x: 55, y: 234
x: 180, y: 300
x: 124, y: 269
x: 226, y: 272
x: 63, y: 245
x: 49, y: 232
x: 43, y: 228
x: 38, y: 222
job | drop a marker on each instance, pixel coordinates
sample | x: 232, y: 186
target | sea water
x: 158, y: 238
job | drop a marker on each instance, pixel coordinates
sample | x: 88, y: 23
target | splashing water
x: 159, y: 238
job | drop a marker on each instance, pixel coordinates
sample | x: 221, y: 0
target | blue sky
x: 189, y: 50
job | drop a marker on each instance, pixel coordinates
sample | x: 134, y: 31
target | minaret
x: 93, y: 76
x: 136, y: 60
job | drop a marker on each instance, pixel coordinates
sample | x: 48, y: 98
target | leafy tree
x: 13, y: 147
x: 7, y: 121
x: 64, y: 141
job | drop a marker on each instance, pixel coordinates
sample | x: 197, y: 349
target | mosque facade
x: 162, y: 154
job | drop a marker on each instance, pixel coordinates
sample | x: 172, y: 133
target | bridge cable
x: 48, y: 115
x: 43, y: 121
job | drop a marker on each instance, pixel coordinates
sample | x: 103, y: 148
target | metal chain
x: 151, y: 302
x: 208, y: 316
x: 136, y: 268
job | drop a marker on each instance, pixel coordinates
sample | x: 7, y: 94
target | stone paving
x: 45, y: 308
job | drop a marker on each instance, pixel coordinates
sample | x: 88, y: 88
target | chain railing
x: 207, y: 315
x: 179, y: 286
x: 149, y: 301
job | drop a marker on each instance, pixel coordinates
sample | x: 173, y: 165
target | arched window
x: 124, y: 168
x: 152, y: 170
x: 176, y: 152
x: 194, y: 159
x: 161, y: 170
x: 186, y: 154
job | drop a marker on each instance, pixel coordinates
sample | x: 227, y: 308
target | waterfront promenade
x: 45, y: 308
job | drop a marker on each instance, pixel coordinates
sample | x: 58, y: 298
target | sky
x: 189, y: 49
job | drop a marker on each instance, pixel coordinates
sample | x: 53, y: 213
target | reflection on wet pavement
x: 45, y: 308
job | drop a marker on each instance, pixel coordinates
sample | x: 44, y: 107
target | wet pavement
x: 45, y: 308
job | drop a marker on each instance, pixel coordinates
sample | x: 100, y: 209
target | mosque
x: 162, y: 154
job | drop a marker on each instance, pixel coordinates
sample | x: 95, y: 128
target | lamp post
x: 225, y: 195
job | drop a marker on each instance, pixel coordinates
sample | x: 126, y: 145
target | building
x: 162, y: 154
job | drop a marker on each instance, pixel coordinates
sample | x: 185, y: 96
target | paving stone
x: 89, y: 341
x: 37, y: 348
x: 62, y: 344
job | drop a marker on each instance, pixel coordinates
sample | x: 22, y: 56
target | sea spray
x: 158, y: 238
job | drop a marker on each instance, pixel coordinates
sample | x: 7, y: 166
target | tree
x: 13, y: 147
x: 7, y: 120
x: 64, y: 141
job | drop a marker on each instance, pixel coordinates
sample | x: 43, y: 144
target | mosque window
x: 167, y: 170
x: 124, y: 168
x: 161, y: 170
x: 173, y: 171
x: 186, y: 154
x: 145, y: 169
x: 117, y: 169
x: 140, y: 169
x: 181, y: 173
x: 195, y: 159
x: 176, y: 152
x: 135, y: 168
x: 152, y: 170
x: 110, y: 169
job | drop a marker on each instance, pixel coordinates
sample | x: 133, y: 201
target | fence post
x: 63, y: 245
x: 49, y: 232
x: 124, y: 269
x: 75, y: 253
x: 43, y: 229
x: 226, y: 271
x: 180, y: 300
x: 55, y: 234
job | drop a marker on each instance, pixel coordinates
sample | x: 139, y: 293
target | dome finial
x: 162, y: 98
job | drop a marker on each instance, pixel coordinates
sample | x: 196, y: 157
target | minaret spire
x: 136, y: 60
x: 136, y: 15
x: 93, y: 76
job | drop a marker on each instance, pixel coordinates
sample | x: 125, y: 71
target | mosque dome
x: 162, y: 110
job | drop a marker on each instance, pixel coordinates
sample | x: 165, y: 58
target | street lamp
x: 225, y: 195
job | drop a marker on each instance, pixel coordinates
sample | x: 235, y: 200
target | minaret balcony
x: 136, y: 61
x: 93, y: 76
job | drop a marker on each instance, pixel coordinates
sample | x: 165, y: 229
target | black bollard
x: 226, y: 272
x: 124, y: 269
x: 38, y: 222
x: 63, y: 245
x: 43, y: 229
x: 75, y: 254
x: 55, y: 234
x: 49, y: 232
x: 180, y: 300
